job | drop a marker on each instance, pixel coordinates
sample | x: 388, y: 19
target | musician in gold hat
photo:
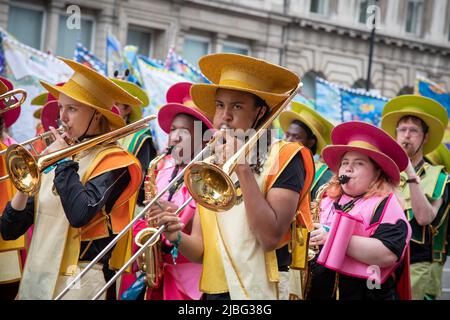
x: 238, y: 247
x: 82, y: 201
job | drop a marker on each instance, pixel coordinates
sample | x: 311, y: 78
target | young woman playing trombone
x: 82, y: 201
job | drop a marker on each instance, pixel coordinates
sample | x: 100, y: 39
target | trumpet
x: 11, y: 102
x: 210, y: 185
x: 24, y: 169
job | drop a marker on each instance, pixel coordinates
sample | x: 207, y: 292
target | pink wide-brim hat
x: 50, y: 115
x: 179, y: 101
x: 369, y: 140
x: 12, y: 115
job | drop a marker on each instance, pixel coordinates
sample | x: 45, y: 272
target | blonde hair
x: 104, y: 126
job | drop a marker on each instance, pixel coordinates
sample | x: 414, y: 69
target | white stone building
x: 326, y: 37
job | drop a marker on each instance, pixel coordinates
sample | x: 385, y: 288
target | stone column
x: 104, y: 25
x: 56, y: 10
x: 4, y: 11
x: 392, y: 24
x: 437, y: 22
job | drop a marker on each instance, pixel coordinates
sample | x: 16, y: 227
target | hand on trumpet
x: 58, y: 144
x: 318, y: 235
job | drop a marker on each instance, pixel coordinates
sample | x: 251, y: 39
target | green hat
x: 320, y: 127
x: 40, y: 99
x: 430, y: 111
x: 440, y: 157
x: 135, y: 90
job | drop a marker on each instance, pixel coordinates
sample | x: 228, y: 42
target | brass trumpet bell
x: 211, y: 186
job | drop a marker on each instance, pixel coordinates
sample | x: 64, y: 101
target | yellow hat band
x: 245, y: 80
x: 363, y: 144
x: 95, y: 93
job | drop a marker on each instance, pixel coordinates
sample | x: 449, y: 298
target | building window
x: 141, y: 38
x: 194, y: 48
x: 26, y: 25
x: 236, y: 48
x: 414, y: 16
x: 317, y: 6
x: 68, y: 38
x: 449, y: 33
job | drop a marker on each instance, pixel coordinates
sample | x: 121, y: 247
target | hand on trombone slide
x: 59, y: 143
x: 226, y: 143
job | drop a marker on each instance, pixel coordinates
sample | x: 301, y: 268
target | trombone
x: 24, y: 169
x: 223, y: 181
x: 10, y: 96
x: 41, y: 136
x: 210, y: 185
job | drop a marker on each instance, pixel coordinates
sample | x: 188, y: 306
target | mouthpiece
x: 343, y: 179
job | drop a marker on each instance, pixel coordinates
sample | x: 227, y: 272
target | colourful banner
x: 339, y: 104
x: 114, y: 58
x: 428, y: 88
x: 361, y: 106
x: 157, y: 81
x: 180, y: 66
x: 86, y: 57
x: 24, y: 67
x: 328, y: 101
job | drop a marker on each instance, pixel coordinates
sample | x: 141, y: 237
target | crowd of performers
x: 346, y: 212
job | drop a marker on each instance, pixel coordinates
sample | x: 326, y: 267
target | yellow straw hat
x: 270, y: 82
x: 135, y: 90
x: 94, y: 90
x: 430, y: 111
x: 320, y: 127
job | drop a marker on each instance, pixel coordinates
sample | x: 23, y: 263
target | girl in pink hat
x: 178, y: 118
x: 365, y: 233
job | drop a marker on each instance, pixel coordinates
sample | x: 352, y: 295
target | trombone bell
x: 210, y: 186
x: 22, y: 169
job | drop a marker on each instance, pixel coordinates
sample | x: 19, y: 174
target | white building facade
x: 329, y: 38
